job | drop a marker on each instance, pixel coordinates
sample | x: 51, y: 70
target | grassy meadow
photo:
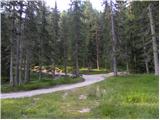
x: 133, y: 96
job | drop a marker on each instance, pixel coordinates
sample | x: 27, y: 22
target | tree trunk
x: 154, y: 43
x: 114, y: 60
x: 27, y: 72
x: 89, y: 66
x: 76, y: 59
x: 27, y: 69
x: 53, y: 73
x: 17, y: 61
x: 65, y: 67
x: 24, y: 71
x: 126, y: 59
x: 40, y: 57
x: 65, y: 57
x: 97, y: 49
x: 146, y: 64
x: 40, y: 70
x: 127, y: 67
x: 20, y: 66
x: 11, y: 64
x: 18, y: 47
x: 11, y: 52
x: 20, y: 52
x: 145, y: 58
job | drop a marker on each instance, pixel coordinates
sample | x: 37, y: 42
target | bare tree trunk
x: 41, y: 37
x: 11, y: 64
x: 114, y: 60
x: 40, y: 73
x: 53, y: 73
x: 20, y: 66
x: 89, y: 66
x: 40, y: 58
x: 127, y: 67
x: 27, y: 69
x: 76, y: 59
x: 65, y: 67
x: 65, y: 57
x: 24, y: 66
x: 20, y: 52
x: 146, y: 64
x: 97, y: 49
x: 40, y: 67
x: 154, y: 43
x: 145, y: 58
x: 17, y: 61
x: 83, y: 62
x: 18, y: 47
x: 126, y: 59
x: 11, y: 53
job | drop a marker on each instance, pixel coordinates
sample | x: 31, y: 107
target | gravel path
x: 89, y: 79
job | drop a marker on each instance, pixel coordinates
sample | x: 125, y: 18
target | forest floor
x: 132, y: 96
x: 89, y: 79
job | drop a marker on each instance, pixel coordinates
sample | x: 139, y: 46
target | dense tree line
x: 122, y: 37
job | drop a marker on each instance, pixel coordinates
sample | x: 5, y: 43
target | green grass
x: 133, y: 96
x: 37, y: 84
x: 93, y: 71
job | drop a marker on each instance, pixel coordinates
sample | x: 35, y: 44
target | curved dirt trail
x: 89, y: 79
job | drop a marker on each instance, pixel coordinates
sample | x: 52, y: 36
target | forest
x: 43, y: 47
